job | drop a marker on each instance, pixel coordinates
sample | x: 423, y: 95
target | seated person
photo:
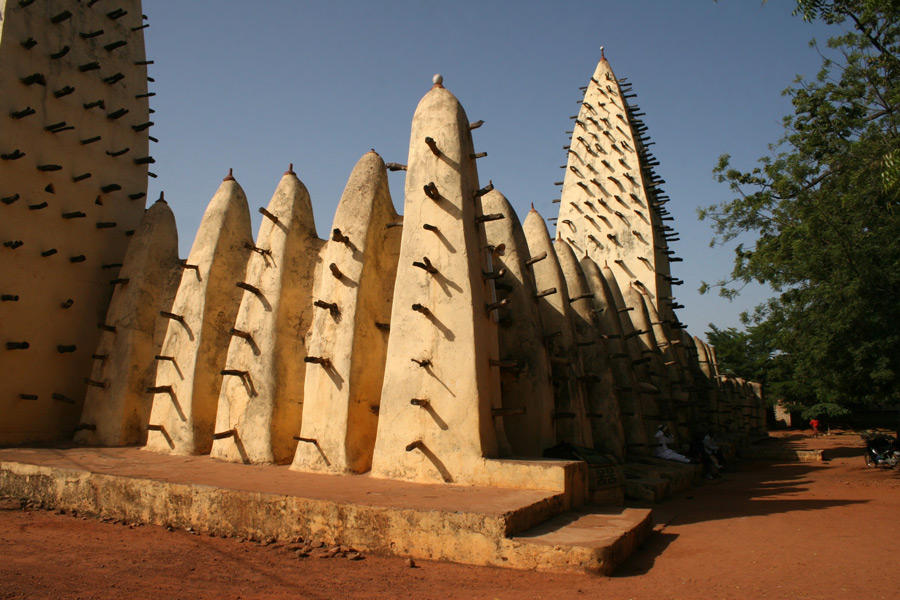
x: 663, y: 438
x: 697, y: 452
x: 713, y: 450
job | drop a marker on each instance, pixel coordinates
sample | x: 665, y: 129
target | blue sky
x: 256, y: 86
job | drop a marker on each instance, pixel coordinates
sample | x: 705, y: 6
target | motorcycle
x: 882, y: 450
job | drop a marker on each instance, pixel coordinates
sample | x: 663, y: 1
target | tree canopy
x: 819, y: 219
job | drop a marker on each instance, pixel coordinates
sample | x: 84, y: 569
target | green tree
x: 746, y: 353
x: 822, y: 212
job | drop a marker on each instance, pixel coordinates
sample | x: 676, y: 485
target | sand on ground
x: 765, y: 530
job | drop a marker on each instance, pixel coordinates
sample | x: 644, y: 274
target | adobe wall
x: 453, y: 344
x: 570, y: 406
x: 74, y: 122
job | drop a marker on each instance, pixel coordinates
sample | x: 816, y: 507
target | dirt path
x: 765, y: 530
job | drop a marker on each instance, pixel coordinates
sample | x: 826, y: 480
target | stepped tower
x: 74, y: 123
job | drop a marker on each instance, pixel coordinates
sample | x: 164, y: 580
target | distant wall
x: 782, y: 416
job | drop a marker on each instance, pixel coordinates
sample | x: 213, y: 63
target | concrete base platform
x: 523, y: 529
x: 781, y: 454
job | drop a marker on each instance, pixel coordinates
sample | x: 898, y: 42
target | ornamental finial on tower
x: 602, y: 55
x: 438, y: 80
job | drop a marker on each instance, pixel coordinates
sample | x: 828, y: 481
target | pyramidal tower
x: 261, y: 398
x: 117, y: 404
x: 441, y: 414
x: 350, y: 327
x: 611, y: 204
x: 556, y: 318
x: 525, y: 371
x: 439, y: 387
x: 194, y: 350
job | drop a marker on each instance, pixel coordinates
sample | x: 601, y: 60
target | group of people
x: 702, y: 450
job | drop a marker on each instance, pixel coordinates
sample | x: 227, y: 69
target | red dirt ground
x: 765, y: 530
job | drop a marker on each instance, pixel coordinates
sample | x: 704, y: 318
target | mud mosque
x: 299, y: 358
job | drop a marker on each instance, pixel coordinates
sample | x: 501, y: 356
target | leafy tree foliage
x: 746, y: 353
x: 824, y: 213
x: 750, y: 354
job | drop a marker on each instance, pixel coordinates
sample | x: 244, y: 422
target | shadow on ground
x: 843, y: 452
x: 643, y: 560
x: 753, y: 489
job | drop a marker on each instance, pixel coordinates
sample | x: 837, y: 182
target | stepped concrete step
x: 681, y: 475
x: 592, y: 539
x: 465, y: 524
x: 647, y: 489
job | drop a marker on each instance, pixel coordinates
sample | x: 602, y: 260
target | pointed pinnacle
x: 230, y: 176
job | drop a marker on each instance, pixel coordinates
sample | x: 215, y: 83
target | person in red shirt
x: 814, y: 423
